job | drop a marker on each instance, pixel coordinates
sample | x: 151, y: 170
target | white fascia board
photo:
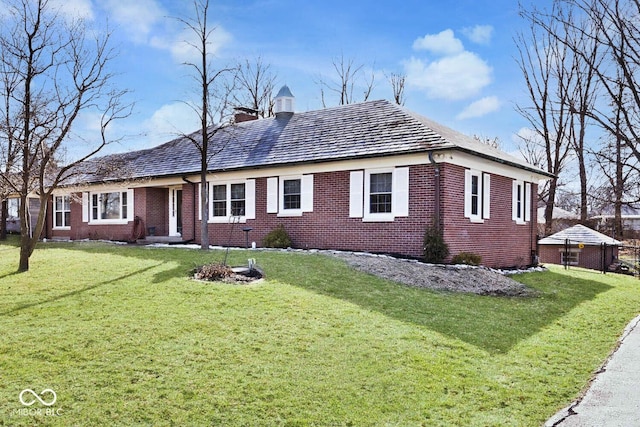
x: 470, y: 161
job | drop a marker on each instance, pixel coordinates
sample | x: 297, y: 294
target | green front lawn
x: 124, y: 338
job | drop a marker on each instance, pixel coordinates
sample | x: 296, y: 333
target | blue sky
x: 458, y: 56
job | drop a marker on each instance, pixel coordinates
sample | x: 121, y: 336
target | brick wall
x: 499, y: 240
x: 589, y: 256
x: 329, y: 225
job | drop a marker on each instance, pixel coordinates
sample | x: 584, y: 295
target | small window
x: 380, y: 192
x: 292, y: 192
x: 61, y: 211
x: 521, y: 202
x: 219, y: 200
x: 13, y: 204
x: 572, y: 257
x: 477, y: 196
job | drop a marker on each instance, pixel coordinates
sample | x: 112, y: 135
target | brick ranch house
x: 365, y: 177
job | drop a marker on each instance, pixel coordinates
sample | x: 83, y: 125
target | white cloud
x: 73, y: 8
x: 182, y: 45
x: 480, y: 34
x: 453, y: 77
x: 137, y: 18
x: 168, y: 122
x: 479, y: 108
x: 443, y: 43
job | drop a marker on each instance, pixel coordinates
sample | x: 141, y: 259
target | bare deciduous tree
x: 349, y: 76
x: 213, y: 110
x: 397, y: 82
x: 53, y: 69
x: 256, y: 83
x: 542, y: 62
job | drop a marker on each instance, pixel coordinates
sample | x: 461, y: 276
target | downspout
x: 436, y: 176
x: 193, y: 188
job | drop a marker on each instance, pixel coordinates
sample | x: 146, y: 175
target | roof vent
x: 285, y: 101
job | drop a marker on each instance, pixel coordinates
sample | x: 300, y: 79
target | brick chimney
x: 243, y: 114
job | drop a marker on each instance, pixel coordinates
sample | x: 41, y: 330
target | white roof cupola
x: 285, y: 101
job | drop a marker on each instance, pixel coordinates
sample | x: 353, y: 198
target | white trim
x: 228, y: 217
x: 477, y: 217
x: 289, y: 212
x: 400, y: 195
x: 272, y: 195
x: 85, y: 206
x: 356, y: 194
x: 306, y: 196
x: 119, y: 221
x: 528, y: 203
x: 486, y: 196
x: 376, y: 217
x: 55, y: 211
x: 520, y: 217
x: 250, y: 199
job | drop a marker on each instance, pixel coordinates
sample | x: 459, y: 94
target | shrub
x: 468, y: 258
x: 435, y: 249
x: 213, y: 272
x: 277, y: 238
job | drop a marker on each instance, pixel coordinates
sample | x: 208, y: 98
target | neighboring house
x: 560, y: 220
x: 13, y: 216
x: 579, y: 246
x: 366, y: 177
x: 630, y: 220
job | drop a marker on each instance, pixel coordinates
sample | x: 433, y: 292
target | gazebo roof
x: 579, y: 234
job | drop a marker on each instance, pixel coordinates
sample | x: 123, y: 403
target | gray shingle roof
x: 369, y: 129
x: 579, y: 234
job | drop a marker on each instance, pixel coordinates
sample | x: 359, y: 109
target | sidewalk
x: 613, y: 398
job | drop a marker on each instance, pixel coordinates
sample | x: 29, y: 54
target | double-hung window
x: 233, y: 199
x: 379, y: 195
x: 477, y: 195
x: 61, y: 212
x: 219, y: 201
x: 380, y: 192
x: 521, y: 202
x: 290, y: 195
x: 13, y: 205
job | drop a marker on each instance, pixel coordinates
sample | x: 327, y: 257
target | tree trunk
x: 4, y: 213
x: 25, y: 234
x: 548, y: 210
x: 204, y: 206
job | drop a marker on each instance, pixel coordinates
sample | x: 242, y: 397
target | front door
x: 175, y: 211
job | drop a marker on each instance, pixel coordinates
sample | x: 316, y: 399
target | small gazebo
x: 579, y: 246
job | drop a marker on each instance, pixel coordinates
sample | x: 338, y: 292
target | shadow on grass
x: 75, y: 292
x: 494, y: 324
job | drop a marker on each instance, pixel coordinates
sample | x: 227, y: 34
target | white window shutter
x: 130, y: 211
x: 199, y: 202
x: 356, y: 194
x: 486, y: 196
x: 272, y: 195
x: 85, y: 206
x: 250, y: 199
x: 527, y: 201
x: 307, y: 193
x: 467, y: 193
x: 400, y: 204
x: 514, y: 201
